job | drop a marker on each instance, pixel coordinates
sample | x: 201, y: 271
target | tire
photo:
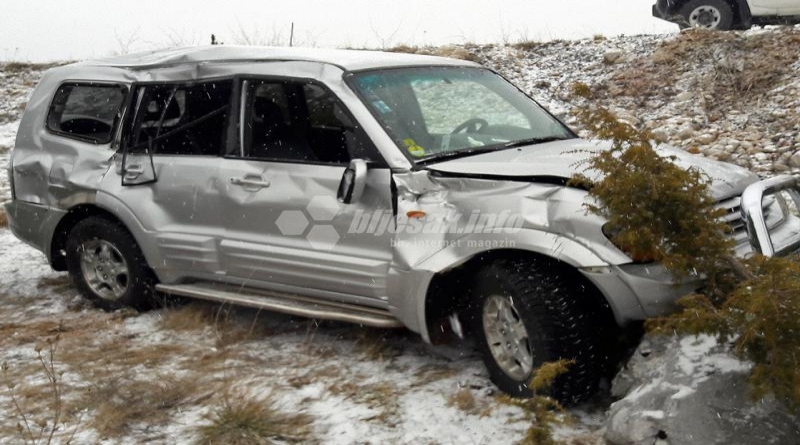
x: 709, y: 14
x: 97, y: 246
x: 550, y: 302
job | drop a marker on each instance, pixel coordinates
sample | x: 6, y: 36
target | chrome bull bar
x: 753, y: 213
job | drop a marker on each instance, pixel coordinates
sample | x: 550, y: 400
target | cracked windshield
x: 441, y: 112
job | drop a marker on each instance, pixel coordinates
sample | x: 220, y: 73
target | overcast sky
x: 43, y: 30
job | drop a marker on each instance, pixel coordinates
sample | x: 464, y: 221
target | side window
x: 300, y: 122
x: 181, y: 119
x: 86, y: 112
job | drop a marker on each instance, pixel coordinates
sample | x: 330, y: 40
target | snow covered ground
x: 357, y: 385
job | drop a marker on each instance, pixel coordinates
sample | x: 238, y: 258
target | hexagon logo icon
x: 323, y: 237
x: 292, y: 222
x: 323, y: 208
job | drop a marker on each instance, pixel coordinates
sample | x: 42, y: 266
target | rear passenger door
x: 286, y: 230
x: 172, y: 146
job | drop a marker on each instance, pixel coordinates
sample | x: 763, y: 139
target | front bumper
x: 640, y: 291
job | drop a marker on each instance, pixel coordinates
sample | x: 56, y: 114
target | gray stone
x: 685, y: 133
x: 778, y: 167
x: 705, y: 138
x: 612, y: 57
x: 794, y: 160
x: 695, y: 391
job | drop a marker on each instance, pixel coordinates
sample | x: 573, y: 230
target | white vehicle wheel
x: 708, y: 14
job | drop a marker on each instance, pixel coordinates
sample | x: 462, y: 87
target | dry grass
x: 3, y: 218
x: 17, y: 67
x: 432, y: 373
x: 380, y: 396
x: 121, y: 403
x: 464, y: 400
x: 727, y: 67
x: 230, y: 327
x: 377, y: 344
x: 252, y: 421
x: 527, y: 45
x: 37, y: 401
x: 454, y: 52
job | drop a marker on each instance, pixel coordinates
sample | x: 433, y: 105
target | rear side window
x: 86, y: 112
x: 181, y: 119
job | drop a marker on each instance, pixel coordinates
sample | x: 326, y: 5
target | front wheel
x: 709, y: 14
x: 107, y: 266
x: 530, y: 312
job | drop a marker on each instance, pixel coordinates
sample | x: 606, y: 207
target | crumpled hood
x: 564, y: 159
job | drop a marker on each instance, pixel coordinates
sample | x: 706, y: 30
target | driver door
x: 286, y: 230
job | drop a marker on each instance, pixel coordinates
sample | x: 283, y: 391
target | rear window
x: 86, y: 112
x: 174, y: 119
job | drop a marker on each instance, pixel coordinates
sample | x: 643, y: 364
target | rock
x: 660, y: 136
x: 705, y: 138
x: 684, y: 97
x: 693, y: 391
x: 794, y: 160
x: 685, y: 133
x: 746, y: 145
x: 754, y: 136
x: 612, y: 57
x: 778, y: 167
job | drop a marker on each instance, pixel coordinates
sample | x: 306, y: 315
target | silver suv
x: 381, y: 189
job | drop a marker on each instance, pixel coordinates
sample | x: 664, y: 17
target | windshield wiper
x: 469, y: 151
x: 534, y: 141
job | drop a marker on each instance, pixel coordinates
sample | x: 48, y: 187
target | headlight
x: 636, y: 257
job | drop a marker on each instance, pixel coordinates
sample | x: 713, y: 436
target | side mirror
x: 354, y: 180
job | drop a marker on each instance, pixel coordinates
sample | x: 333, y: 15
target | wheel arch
x: 74, y: 215
x: 449, y: 289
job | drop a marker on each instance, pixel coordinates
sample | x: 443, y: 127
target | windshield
x: 442, y: 112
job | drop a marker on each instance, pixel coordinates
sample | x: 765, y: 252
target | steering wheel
x: 474, y: 125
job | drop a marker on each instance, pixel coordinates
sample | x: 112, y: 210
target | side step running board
x: 286, y: 303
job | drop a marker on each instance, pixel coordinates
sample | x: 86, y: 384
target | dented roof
x: 349, y: 60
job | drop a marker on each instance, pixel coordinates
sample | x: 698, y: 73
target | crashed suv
x: 387, y: 190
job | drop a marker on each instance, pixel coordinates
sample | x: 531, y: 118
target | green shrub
x: 658, y: 211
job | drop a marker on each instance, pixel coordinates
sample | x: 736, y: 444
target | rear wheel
x: 107, y: 266
x: 533, y: 311
x: 709, y: 14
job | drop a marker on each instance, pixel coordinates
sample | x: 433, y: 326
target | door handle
x: 135, y: 169
x: 250, y: 182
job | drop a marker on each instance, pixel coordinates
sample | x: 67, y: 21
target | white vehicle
x: 727, y: 14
